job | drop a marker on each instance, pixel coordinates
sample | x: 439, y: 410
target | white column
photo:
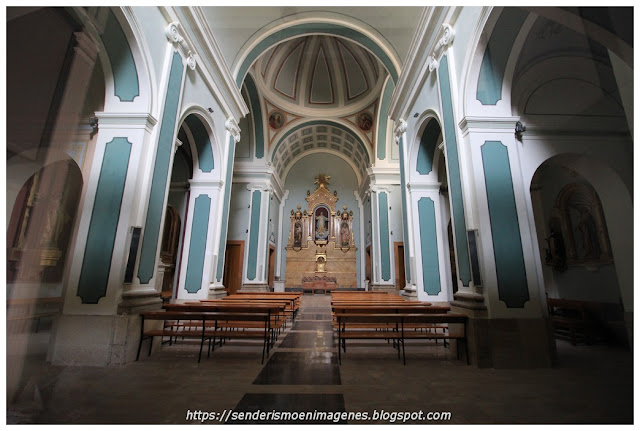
x: 279, y: 245
x: 260, y: 278
x: 362, y: 244
x: 198, y: 189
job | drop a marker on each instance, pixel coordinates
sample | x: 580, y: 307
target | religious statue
x: 587, y: 228
x: 320, y: 264
x: 344, y: 234
x: 322, y: 223
x: 297, y: 235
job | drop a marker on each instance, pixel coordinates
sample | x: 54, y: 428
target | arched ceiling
x: 320, y: 136
x: 319, y: 75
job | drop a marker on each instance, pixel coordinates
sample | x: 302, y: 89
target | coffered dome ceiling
x: 319, y: 76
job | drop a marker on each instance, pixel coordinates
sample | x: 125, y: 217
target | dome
x: 319, y: 75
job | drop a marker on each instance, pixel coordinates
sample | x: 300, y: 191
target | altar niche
x: 321, y: 252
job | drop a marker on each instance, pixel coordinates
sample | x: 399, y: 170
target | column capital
x: 174, y: 34
x: 398, y: 131
x: 232, y: 127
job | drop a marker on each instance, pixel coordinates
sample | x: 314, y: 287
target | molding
x: 211, y: 184
x: 489, y: 124
x: 379, y: 176
x: 126, y: 120
x: 399, y: 130
x: 263, y: 187
x: 423, y: 187
x: 214, y: 65
x: 176, y: 144
x: 86, y: 46
x: 446, y: 36
x: 174, y: 35
x: 426, y: 45
x: 233, y: 128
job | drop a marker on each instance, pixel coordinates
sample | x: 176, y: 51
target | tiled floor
x: 590, y: 384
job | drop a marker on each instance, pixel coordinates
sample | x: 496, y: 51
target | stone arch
x: 425, y: 144
x: 314, y: 23
x: 204, y: 148
x: 617, y: 209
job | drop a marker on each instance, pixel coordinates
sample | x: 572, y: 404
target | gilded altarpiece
x: 321, y: 252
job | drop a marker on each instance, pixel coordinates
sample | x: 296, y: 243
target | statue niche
x: 321, y: 249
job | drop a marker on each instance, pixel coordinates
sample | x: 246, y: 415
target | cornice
x: 432, y: 39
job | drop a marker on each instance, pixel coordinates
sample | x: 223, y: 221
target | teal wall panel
x: 426, y: 151
x: 225, y: 210
x: 385, y: 264
x: 453, y: 167
x: 203, y: 144
x: 198, y: 244
x: 429, y: 246
x: 252, y: 260
x: 405, y: 226
x: 497, y: 54
x: 123, y: 66
x: 505, y: 230
x: 316, y: 28
x: 256, y: 113
x: 101, y: 237
x: 384, y: 119
x: 156, y: 206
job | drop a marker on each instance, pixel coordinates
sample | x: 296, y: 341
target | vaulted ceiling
x: 319, y: 76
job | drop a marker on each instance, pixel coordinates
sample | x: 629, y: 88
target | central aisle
x: 302, y: 373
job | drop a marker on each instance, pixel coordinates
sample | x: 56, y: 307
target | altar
x: 321, y: 252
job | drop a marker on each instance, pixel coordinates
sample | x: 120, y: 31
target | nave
x: 302, y: 374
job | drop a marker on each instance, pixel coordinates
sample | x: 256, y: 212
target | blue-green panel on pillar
x: 426, y: 151
x: 160, y: 173
x: 256, y: 113
x: 252, y: 260
x: 385, y: 264
x: 405, y: 226
x: 453, y: 167
x: 496, y: 55
x: 203, y: 144
x: 505, y: 230
x: 123, y: 66
x: 198, y: 244
x: 225, y: 210
x: 429, y: 246
x: 381, y: 143
x: 96, y: 264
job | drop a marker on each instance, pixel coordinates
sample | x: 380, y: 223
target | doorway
x: 232, y: 279
x: 272, y: 266
x: 401, y: 280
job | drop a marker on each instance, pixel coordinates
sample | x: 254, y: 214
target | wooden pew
x: 219, y: 329
x: 399, y: 323
x: 579, y: 318
x: 293, y: 298
x: 275, y: 310
x: 21, y: 309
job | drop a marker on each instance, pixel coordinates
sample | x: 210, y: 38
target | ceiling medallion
x: 365, y: 121
x: 276, y: 120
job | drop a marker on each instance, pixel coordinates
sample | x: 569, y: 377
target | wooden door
x: 232, y: 279
x: 401, y: 280
x: 272, y: 265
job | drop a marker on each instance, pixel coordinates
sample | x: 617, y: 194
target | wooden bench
x: 223, y: 325
x: 576, y: 319
x: 21, y: 309
x: 394, y: 326
x: 275, y: 310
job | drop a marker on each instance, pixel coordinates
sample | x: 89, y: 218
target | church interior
x: 474, y: 162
